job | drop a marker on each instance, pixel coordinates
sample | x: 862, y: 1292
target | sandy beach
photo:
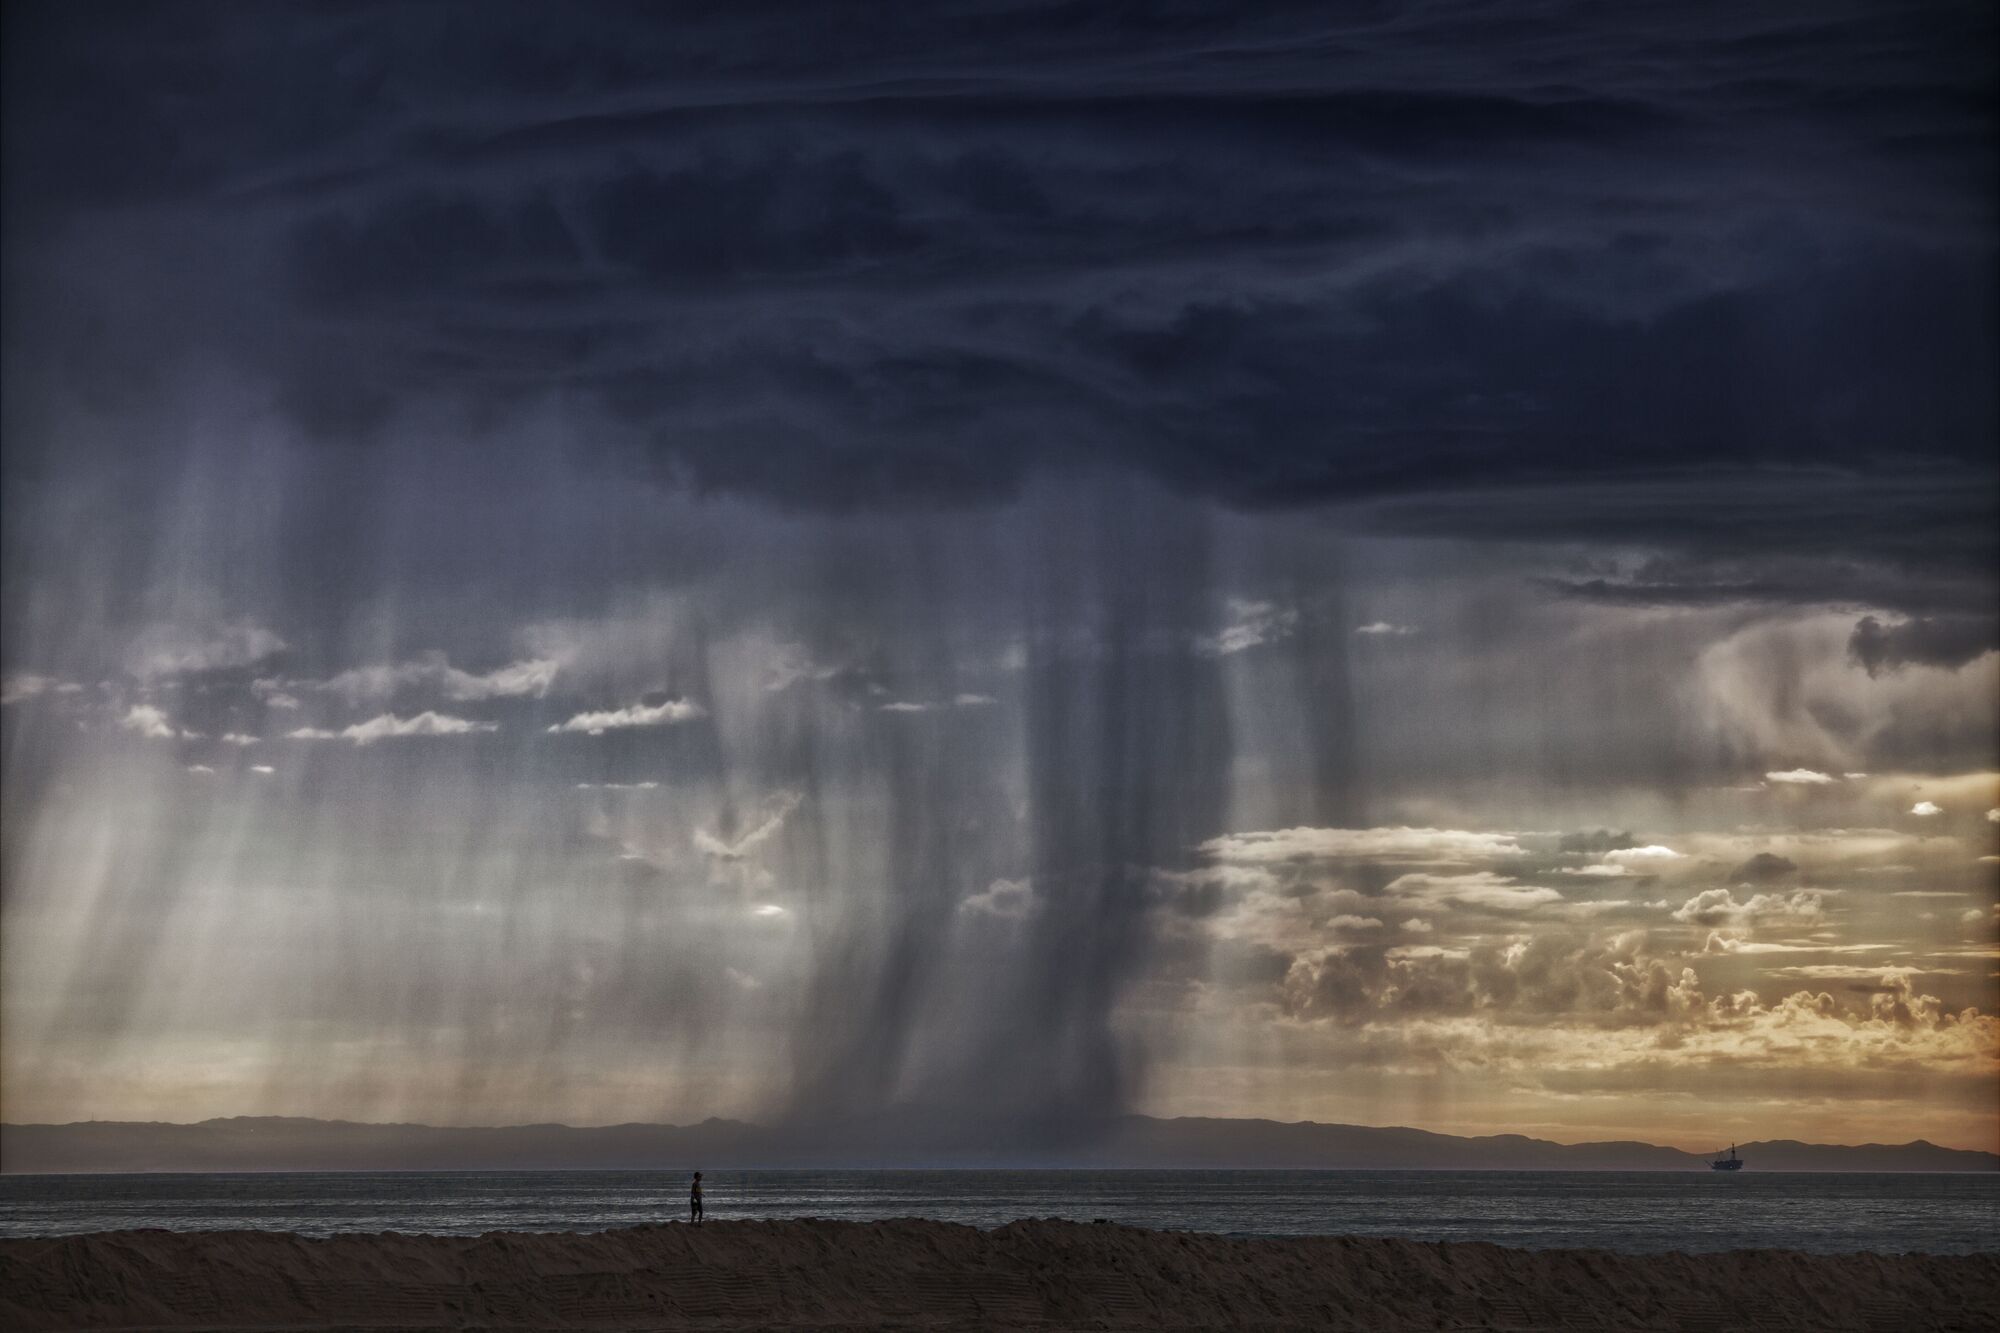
x: 933, y: 1275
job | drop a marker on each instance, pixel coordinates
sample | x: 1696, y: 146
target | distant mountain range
x: 269, y: 1143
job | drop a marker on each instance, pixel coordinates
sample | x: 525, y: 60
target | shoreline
x: 911, y: 1273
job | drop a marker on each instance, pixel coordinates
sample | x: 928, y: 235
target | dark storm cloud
x: 1763, y: 868
x: 1941, y: 641
x: 1595, y: 842
x: 1277, y: 259
x: 983, y: 415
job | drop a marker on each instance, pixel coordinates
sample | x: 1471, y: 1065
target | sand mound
x: 935, y: 1275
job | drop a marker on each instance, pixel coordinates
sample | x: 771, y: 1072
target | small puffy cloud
x: 1354, y: 923
x: 150, y: 722
x: 1416, y: 925
x: 1800, y: 777
x: 239, y: 738
x: 1625, y: 862
x: 388, y: 726
x: 1640, y: 858
x: 1006, y: 899
x: 203, y: 769
x: 1972, y: 916
x: 769, y: 912
x: 905, y: 706
x: 178, y: 651
x: 1926, y: 809
x: 1714, y: 907
x: 274, y: 693
x: 1250, y: 623
x: 1381, y: 628
x: 638, y: 715
x: 262, y: 768
x: 1410, y: 845
x: 1993, y: 815
x: 616, y: 786
x: 973, y: 700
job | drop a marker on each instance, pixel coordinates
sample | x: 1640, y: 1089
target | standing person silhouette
x: 694, y: 1200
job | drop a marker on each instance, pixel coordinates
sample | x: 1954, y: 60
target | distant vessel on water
x: 1729, y: 1163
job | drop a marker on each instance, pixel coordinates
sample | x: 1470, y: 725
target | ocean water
x: 1636, y: 1212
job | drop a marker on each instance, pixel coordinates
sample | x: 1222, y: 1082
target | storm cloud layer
x: 620, y: 562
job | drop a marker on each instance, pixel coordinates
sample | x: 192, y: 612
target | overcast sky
x: 1424, y: 564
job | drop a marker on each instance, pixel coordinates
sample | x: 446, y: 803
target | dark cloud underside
x: 1278, y: 259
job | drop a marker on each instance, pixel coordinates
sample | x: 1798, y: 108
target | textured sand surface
x: 916, y: 1274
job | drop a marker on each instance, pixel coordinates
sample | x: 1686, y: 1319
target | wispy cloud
x: 716, y: 847
x: 926, y: 706
x: 637, y: 715
x: 27, y: 685
x: 1250, y: 623
x: 170, y: 650
x: 523, y: 679
x: 388, y: 727
x: 1482, y: 888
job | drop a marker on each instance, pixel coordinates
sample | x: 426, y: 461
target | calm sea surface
x: 1636, y: 1211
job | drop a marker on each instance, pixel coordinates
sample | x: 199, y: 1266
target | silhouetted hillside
x: 287, y: 1144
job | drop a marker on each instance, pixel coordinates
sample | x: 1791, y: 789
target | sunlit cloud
x: 1405, y: 844
x: 1713, y: 907
x: 1481, y: 888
